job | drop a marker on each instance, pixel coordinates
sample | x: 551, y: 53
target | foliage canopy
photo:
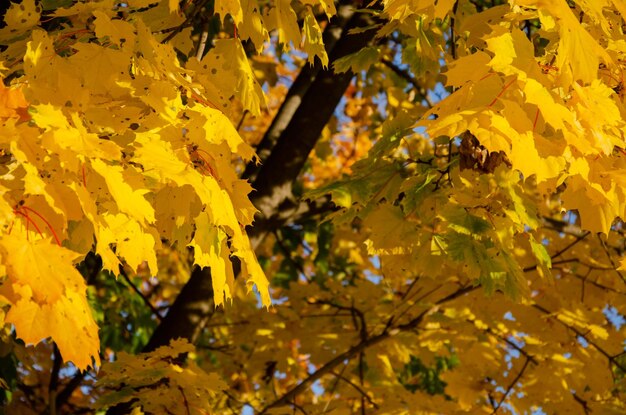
x: 277, y: 207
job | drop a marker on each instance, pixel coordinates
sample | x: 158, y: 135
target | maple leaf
x: 47, y: 297
x: 155, y: 382
x: 313, y: 43
x: 283, y: 18
x: 129, y: 200
x: 12, y: 103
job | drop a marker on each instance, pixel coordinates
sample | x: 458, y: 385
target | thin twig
x: 298, y: 407
x: 354, y: 312
x: 287, y: 254
x: 610, y: 358
x: 234, y: 323
x: 141, y: 295
x: 198, y: 7
x: 203, y: 39
x: 510, y: 387
x: 359, y: 347
x: 608, y: 254
x: 597, y: 284
x: 582, y: 403
x: 576, y: 260
x: 413, y: 303
x: 570, y: 245
x: 333, y: 388
x: 452, y: 31
x: 243, y: 117
x: 361, y: 377
x: 355, y: 386
x: 185, y: 403
x: 404, y: 74
x: 54, y: 380
x: 489, y: 330
x: 327, y: 315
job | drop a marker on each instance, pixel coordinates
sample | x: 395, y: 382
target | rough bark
x: 298, y: 89
x: 273, y: 184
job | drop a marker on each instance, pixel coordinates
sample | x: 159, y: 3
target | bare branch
x: 356, y: 387
x: 54, y: 380
x: 287, y: 254
x: 188, y: 21
x: 582, y: 403
x: 64, y: 395
x: 141, y: 295
x: 510, y: 387
x: 360, y: 347
x: 490, y: 331
x: 570, y: 245
x: 407, y: 76
x: 611, y: 358
x: 608, y: 254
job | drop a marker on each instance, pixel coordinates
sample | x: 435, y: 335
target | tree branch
x: 608, y: 254
x: 273, y: 183
x: 407, y: 76
x: 570, y: 245
x: 510, y: 387
x: 490, y: 331
x: 140, y: 294
x: 355, y: 386
x: 66, y: 392
x: 611, y: 358
x: 54, y: 380
x: 300, y: 87
x: 358, y: 348
x: 188, y: 21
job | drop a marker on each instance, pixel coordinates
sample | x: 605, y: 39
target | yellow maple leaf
x: 88, y: 205
x: 119, y: 32
x: 133, y: 243
x: 401, y: 10
x: 155, y: 382
x: 251, y: 268
x: 226, y: 71
x: 573, y: 64
x: 284, y: 20
x: 597, y: 208
x: 599, y: 115
x: 157, y: 156
x: 22, y: 16
x: 210, y: 126
x: 313, y: 43
x: 47, y: 297
x: 210, y: 250
x: 12, y: 103
x: 470, y: 68
x: 513, y: 54
x: 252, y: 25
x: 129, y: 200
x: 71, y: 141
x: 229, y: 7
x: 384, y: 223
x: 83, y: 11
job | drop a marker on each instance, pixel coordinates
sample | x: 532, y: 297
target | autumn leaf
x: 47, y: 297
